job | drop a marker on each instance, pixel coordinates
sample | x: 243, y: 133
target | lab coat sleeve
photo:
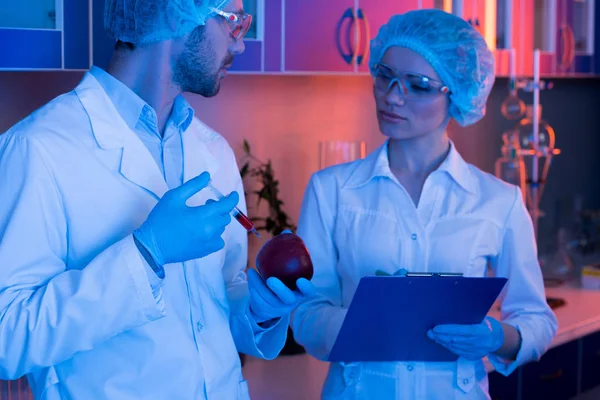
x: 317, y: 322
x: 523, y: 299
x: 48, y: 313
x: 249, y: 337
x: 156, y: 284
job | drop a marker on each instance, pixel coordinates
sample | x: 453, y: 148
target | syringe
x: 236, y: 213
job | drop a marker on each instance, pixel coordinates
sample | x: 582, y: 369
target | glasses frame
x: 233, y: 18
x: 398, y: 80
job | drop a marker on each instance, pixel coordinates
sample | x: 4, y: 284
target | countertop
x: 301, y: 377
x: 579, y: 317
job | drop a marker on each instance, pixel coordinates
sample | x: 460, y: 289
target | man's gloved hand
x: 174, y: 232
x: 472, y: 342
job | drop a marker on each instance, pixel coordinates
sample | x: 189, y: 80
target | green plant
x: 277, y: 219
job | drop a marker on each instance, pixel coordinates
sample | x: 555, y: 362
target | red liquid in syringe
x: 237, y: 213
x: 244, y: 221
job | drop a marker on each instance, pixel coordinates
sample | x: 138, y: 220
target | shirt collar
x: 130, y: 106
x: 377, y: 164
x: 374, y: 165
x: 182, y: 114
x: 133, y: 109
x: 459, y: 170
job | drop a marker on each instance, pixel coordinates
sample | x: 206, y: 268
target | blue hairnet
x: 148, y: 21
x: 455, y: 50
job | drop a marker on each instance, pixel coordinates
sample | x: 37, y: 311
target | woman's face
x: 403, y: 116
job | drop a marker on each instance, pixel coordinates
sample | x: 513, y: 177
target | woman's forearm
x: 512, y: 343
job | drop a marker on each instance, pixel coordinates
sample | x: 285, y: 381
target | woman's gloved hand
x: 472, y: 342
x: 273, y: 299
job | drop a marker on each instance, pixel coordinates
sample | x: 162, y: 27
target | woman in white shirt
x: 414, y: 203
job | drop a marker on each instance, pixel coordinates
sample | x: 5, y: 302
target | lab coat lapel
x: 138, y: 166
x: 197, y: 159
x: 111, y: 132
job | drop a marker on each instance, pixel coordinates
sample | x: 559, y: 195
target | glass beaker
x: 510, y: 167
x: 525, y: 129
x: 512, y: 107
x: 334, y: 152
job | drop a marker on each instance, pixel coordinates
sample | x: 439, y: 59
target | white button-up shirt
x: 357, y: 218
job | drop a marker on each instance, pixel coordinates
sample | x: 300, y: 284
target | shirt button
x: 465, y: 381
x: 199, y: 327
x: 410, y: 368
x: 414, y: 236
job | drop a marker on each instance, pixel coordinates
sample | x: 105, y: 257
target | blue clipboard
x: 389, y: 316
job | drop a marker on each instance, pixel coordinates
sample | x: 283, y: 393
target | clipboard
x: 389, y: 316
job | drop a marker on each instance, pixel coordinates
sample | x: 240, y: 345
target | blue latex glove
x: 273, y: 299
x: 175, y: 232
x: 472, y: 342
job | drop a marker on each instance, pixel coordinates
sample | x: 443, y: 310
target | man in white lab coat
x: 119, y: 277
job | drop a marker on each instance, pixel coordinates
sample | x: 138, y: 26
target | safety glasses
x: 412, y: 86
x: 238, y: 24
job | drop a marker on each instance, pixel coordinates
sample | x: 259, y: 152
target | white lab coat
x: 356, y: 218
x: 77, y: 312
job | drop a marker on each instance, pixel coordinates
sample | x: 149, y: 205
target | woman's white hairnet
x: 455, y: 50
x: 148, y: 21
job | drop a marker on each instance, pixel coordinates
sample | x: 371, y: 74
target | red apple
x: 285, y: 257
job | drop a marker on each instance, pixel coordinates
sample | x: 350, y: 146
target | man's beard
x: 194, y: 71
